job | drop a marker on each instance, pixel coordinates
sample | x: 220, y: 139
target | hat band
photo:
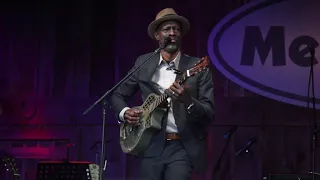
x: 168, y: 15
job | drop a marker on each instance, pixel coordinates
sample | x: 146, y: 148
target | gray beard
x: 172, y: 48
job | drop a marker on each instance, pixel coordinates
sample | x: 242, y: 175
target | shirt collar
x: 175, y: 61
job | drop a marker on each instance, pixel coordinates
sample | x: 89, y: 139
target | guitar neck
x: 160, y: 99
x: 200, y: 66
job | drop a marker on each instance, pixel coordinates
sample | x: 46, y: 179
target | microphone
x: 230, y: 132
x: 247, y: 146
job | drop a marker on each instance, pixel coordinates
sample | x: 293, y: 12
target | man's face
x: 169, y: 29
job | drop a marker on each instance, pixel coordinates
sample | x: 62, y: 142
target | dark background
x: 58, y: 57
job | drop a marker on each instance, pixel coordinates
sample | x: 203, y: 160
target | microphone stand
x: 102, y: 100
x: 218, y: 164
x: 315, y: 126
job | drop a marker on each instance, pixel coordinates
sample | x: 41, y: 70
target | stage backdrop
x: 58, y: 57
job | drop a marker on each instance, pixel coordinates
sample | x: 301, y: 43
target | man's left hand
x: 179, y: 93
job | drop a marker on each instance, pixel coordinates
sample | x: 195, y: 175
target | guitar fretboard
x: 160, y: 99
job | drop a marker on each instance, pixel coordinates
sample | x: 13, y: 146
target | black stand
x: 68, y: 152
x: 218, y: 164
x: 103, y: 102
x: 315, y: 126
x: 95, y: 147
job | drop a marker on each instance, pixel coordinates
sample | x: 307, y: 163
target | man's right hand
x: 132, y: 116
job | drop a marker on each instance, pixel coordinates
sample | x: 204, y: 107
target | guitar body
x: 135, y: 139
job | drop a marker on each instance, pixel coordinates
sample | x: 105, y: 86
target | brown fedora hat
x: 168, y: 14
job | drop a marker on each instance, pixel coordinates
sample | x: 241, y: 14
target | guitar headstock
x: 202, y: 65
x: 11, y: 165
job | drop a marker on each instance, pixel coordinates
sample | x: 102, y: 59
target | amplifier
x: 73, y: 170
x: 307, y: 176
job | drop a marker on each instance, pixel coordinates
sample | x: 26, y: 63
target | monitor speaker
x: 67, y: 171
x: 307, y: 176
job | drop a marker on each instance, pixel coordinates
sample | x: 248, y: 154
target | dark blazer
x: 192, y: 127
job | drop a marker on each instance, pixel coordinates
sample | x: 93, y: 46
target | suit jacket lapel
x: 183, y: 64
x: 149, y: 71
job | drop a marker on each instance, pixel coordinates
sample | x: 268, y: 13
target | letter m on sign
x: 274, y: 41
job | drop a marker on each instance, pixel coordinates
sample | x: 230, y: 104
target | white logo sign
x: 265, y: 47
